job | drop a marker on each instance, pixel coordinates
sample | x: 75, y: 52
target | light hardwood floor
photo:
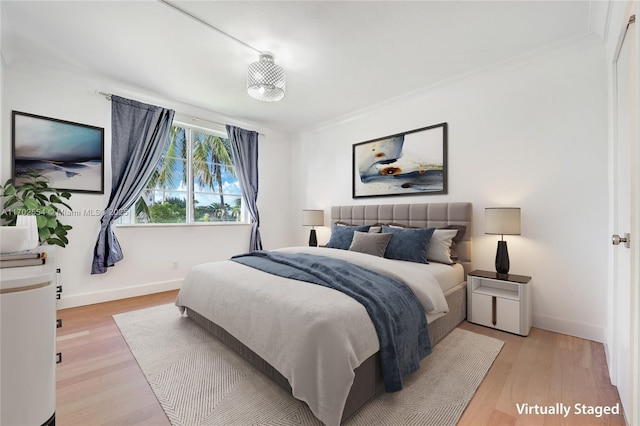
x: 100, y: 383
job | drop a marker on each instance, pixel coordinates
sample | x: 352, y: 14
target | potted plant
x: 34, y: 196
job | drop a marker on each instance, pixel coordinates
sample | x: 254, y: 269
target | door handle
x: 617, y: 239
x: 494, y: 314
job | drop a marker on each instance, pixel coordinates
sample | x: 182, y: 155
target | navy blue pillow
x: 342, y: 235
x: 408, y: 243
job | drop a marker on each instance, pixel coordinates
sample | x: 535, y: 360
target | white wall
x: 149, y: 251
x: 533, y: 136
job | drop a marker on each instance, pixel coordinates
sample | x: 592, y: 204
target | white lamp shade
x: 502, y: 221
x: 312, y: 217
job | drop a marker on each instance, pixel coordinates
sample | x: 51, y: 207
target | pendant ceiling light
x: 266, y: 81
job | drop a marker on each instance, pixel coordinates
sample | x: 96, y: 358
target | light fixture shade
x: 266, y: 81
x: 502, y: 221
x: 312, y: 217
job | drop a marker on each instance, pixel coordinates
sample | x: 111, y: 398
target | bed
x: 293, y: 332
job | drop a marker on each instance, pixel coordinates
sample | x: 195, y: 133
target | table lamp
x: 313, y: 218
x: 502, y: 221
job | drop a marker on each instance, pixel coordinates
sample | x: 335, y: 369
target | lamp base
x: 313, y: 240
x: 502, y: 258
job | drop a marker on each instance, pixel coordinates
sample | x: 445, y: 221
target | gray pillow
x: 342, y: 235
x: 374, y: 244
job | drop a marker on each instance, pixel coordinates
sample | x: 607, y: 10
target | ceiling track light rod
x: 208, y: 25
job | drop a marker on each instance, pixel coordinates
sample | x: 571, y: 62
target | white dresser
x: 27, y: 344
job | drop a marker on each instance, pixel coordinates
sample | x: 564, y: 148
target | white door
x: 625, y: 213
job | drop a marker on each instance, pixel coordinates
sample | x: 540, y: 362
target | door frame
x: 635, y: 234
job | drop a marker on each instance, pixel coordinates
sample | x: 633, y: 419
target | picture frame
x: 409, y: 163
x: 70, y: 155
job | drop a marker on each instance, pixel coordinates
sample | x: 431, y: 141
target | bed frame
x: 368, y: 377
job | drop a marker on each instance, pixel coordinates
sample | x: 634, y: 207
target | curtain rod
x: 107, y: 96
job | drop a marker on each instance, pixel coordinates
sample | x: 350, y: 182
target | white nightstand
x: 501, y: 301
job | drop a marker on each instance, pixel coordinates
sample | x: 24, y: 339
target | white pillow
x: 375, y: 229
x: 440, y: 246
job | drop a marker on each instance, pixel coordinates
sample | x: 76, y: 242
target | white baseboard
x: 84, y: 299
x: 584, y: 331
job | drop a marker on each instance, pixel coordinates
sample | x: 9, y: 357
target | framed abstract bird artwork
x: 409, y: 163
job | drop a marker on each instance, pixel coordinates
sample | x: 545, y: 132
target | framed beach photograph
x: 409, y: 163
x: 69, y: 154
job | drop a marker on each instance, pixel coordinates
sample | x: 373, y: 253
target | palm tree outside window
x: 194, y: 182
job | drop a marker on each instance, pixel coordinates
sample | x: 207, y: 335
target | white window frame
x: 129, y: 216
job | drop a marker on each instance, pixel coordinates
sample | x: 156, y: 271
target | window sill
x: 179, y: 225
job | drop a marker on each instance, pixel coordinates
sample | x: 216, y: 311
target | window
x: 194, y: 182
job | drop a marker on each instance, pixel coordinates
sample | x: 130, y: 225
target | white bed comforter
x: 314, y: 336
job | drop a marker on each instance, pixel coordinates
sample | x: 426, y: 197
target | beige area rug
x: 198, y: 381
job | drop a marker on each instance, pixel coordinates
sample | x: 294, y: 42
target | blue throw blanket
x: 396, y: 313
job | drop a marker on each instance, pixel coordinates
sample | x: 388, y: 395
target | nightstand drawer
x: 508, y: 315
x: 496, y: 312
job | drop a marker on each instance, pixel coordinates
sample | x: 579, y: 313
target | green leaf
x: 52, y: 222
x: 26, y: 187
x: 42, y: 198
x: 56, y: 242
x: 41, y: 221
x: 31, y: 204
x: 9, y: 190
x: 44, y: 233
x: 65, y: 204
x: 11, y: 219
x: 11, y: 201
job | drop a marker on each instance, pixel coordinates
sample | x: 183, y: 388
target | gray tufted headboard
x: 432, y: 215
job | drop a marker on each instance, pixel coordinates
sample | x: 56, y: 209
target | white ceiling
x: 340, y: 57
